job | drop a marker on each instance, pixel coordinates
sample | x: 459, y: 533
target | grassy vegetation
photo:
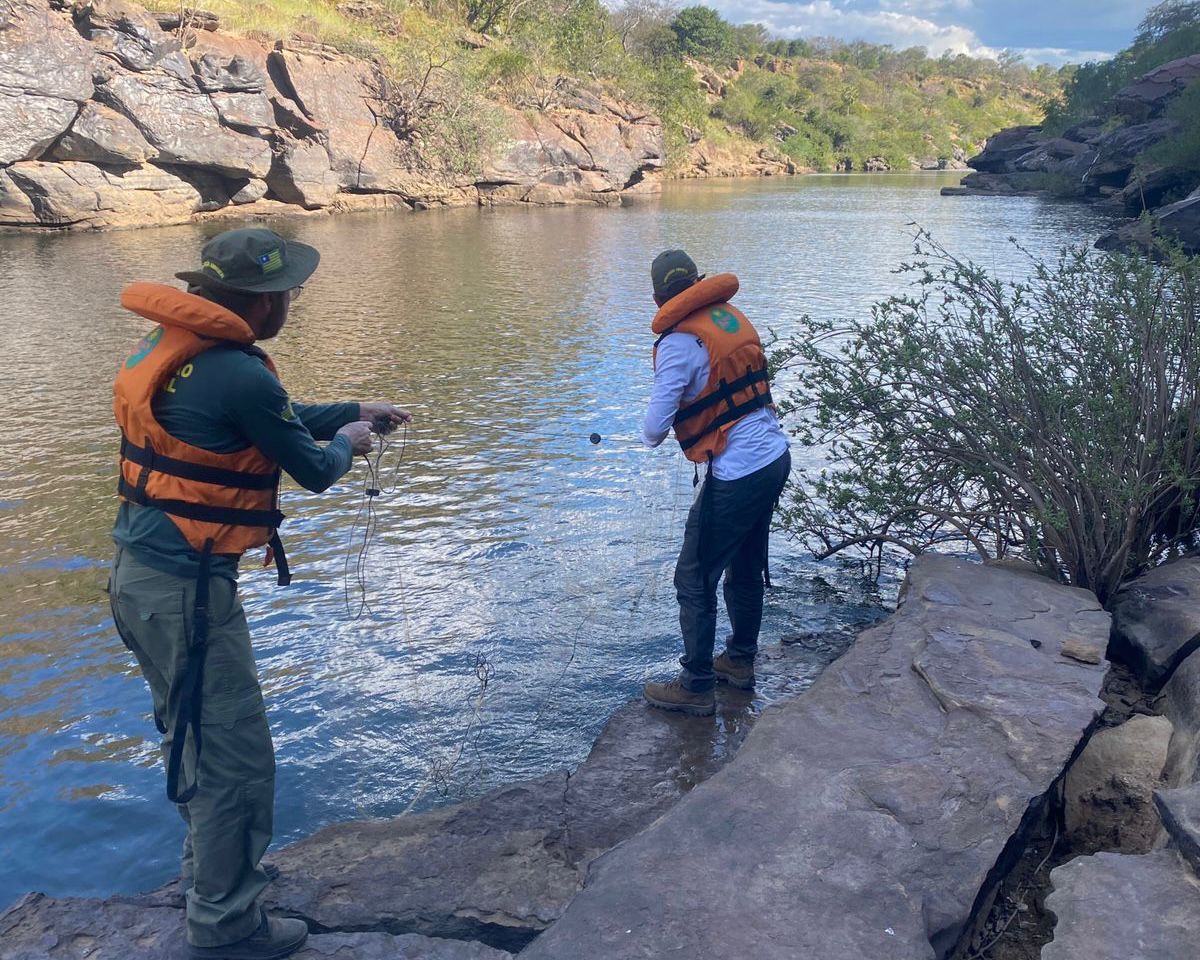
x: 824, y: 103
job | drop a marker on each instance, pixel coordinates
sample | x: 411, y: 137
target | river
x: 512, y: 335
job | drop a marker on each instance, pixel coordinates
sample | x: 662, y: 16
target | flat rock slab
x: 1156, y: 620
x: 1180, y: 813
x: 1112, y: 906
x: 862, y: 819
x: 41, y: 928
x: 500, y: 869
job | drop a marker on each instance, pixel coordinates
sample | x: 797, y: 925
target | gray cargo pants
x: 229, y: 818
x: 727, y: 530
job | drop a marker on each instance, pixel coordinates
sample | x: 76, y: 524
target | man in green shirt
x: 206, y: 427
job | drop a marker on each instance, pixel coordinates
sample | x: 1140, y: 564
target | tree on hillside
x: 638, y: 22
x: 703, y: 34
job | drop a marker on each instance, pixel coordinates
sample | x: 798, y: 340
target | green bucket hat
x: 253, y: 261
x: 672, y: 272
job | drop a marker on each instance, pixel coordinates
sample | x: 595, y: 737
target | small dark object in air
x: 1036, y: 644
x: 595, y: 438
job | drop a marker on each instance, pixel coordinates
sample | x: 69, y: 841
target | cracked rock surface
x: 862, y: 819
x: 1112, y: 906
x: 39, y: 928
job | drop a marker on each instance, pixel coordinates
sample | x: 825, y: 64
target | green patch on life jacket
x: 725, y: 320
x: 144, y: 347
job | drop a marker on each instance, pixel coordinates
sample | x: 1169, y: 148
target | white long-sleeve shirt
x: 681, y: 370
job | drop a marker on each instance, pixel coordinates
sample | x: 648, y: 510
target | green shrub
x: 1056, y: 419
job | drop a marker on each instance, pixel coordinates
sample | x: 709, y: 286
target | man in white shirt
x: 711, y: 385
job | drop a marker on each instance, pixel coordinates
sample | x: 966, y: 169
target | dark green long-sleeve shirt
x: 231, y: 401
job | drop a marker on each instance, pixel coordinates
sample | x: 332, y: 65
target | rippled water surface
x: 512, y: 335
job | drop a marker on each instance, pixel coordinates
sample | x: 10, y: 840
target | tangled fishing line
x: 366, y: 521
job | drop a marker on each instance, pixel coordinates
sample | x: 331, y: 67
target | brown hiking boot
x: 276, y: 937
x: 673, y: 695
x: 740, y: 675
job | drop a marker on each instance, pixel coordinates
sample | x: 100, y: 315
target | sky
x: 1044, y: 31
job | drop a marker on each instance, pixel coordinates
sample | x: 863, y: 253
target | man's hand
x: 385, y: 416
x: 360, y: 436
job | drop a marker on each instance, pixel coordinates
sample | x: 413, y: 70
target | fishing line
x: 367, y: 518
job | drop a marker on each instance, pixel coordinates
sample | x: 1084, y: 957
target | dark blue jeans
x: 727, y: 531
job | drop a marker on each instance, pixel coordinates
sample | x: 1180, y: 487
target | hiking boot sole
x: 692, y: 709
x: 742, y: 683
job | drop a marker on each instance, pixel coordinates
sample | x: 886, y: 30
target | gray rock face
x: 1148, y: 96
x: 863, y: 819
x: 301, y: 173
x: 39, y: 928
x: 125, y: 32
x: 1181, y: 703
x: 236, y: 74
x: 1110, y: 787
x: 1004, y: 148
x: 249, y: 192
x: 1156, y: 620
x: 82, y: 195
x: 45, y: 74
x: 182, y: 123
x: 1180, y: 812
x: 1116, y: 907
x: 1118, y: 151
x: 502, y: 868
x: 101, y: 135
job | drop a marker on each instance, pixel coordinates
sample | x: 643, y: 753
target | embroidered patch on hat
x: 213, y: 268
x: 271, y: 261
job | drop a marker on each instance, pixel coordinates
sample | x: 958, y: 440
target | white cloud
x: 901, y: 23
x: 823, y: 18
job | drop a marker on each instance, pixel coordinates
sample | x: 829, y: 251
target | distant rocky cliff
x: 111, y: 117
x: 1102, y: 160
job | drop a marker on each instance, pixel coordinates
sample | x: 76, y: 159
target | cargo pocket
x: 231, y: 690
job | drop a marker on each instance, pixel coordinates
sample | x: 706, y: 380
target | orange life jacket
x: 738, y: 382
x: 221, y: 502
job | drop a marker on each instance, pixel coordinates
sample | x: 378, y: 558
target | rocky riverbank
x: 111, y: 117
x: 883, y: 813
x: 1103, y: 160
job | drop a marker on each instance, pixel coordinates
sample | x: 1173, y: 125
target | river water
x: 512, y: 335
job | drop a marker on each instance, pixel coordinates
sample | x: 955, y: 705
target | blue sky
x: 1052, y: 31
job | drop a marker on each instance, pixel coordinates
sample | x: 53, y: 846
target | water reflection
x: 513, y: 335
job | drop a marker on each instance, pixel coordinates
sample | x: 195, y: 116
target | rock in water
x: 1110, y: 787
x: 1112, y: 906
x: 863, y: 818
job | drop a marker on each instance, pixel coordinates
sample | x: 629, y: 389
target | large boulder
x: 340, y: 97
x: 1156, y: 620
x: 82, y: 195
x: 1002, y: 150
x: 867, y: 817
x: 1149, y: 95
x: 301, y: 173
x: 1180, y: 812
x: 45, y: 74
x: 125, y: 32
x: 1117, y: 151
x: 1116, y: 907
x: 1181, y: 704
x: 1109, y: 791
x: 39, y: 928
x: 101, y: 135
x: 180, y: 120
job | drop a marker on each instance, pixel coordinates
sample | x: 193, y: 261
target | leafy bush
x: 703, y: 34
x: 1182, y: 151
x: 1056, y: 419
